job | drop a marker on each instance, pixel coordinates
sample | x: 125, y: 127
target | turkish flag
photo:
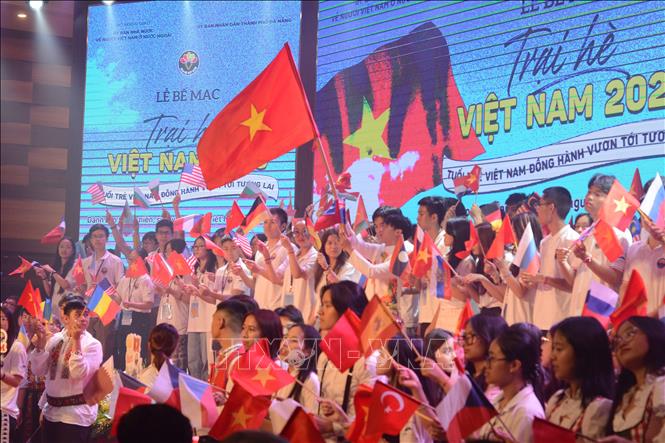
x: 268, y: 118
x: 376, y: 326
x: 127, y: 400
x: 634, y: 301
x: 241, y: 411
x: 258, y: 374
x: 342, y: 344
x: 547, y: 432
x: 179, y: 264
x: 389, y: 410
x: 31, y: 300
x: 619, y: 207
x: 136, y: 268
x: 301, y: 428
x: 234, y: 217
x: 607, y: 240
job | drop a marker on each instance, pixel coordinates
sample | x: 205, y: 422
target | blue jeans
x: 197, y: 355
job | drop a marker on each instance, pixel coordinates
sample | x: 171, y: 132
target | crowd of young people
x: 530, y: 349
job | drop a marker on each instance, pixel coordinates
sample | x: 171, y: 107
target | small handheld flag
x: 101, y: 302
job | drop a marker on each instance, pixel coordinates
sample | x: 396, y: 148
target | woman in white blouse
x: 58, y: 280
x: 12, y: 372
x: 639, y: 405
x: 298, y: 287
x: 162, y: 342
x: 300, y: 351
x: 514, y: 366
x: 332, y: 264
x: 581, y: 358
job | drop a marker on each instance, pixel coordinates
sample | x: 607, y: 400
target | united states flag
x: 96, y: 191
x: 192, y: 175
x: 191, y: 261
x: 242, y: 242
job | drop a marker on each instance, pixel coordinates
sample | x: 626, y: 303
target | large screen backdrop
x: 411, y: 94
x: 157, y: 74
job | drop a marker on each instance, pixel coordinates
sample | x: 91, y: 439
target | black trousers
x: 55, y: 432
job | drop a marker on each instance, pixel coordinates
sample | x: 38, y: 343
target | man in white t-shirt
x: 233, y: 278
x: 552, y: 303
x: 593, y: 264
x: 271, y: 262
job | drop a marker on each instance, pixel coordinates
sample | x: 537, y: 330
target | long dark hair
x: 271, y: 329
x: 486, y: 237
x: 593, y: 357
x: 346, y: 295
x: 517, y: 343
x: 458, y: 228
x: 487, y: 328
x: 12, y: 329
x: 519, y: 222
x: 343, y: 257
x: 312, y: 339
x: 654, y: 360
x: 63, y: 268
x: 211, y: 260
x: 162, y: 342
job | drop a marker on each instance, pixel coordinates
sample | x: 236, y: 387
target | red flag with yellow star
x: 31, y: 300
x: 136, y: 268
x: 258, y: 374
x: 619, y: 207
x: 607, y: 241
x: 270, y: 117
x: 77, y: 272
x: 241, y: 411
x: 179, y: 264
x: 24, y: 267
x: 421, y: 261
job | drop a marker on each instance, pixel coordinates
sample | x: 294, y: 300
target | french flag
x: 165, y: 389
x: 653, y: 203
x: 197, y: 402
x: 527, y: 257
x: 600, y: 302
x: 464, y: 409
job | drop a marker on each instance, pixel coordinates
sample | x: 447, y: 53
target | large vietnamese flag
x: 270, y: 117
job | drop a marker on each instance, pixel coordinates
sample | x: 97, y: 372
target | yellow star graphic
x: 622, y: 205
x: 471, y: 179
x: 255, y: 122
x: 263, y: 376
x: 423, y: 255
x: 240, y: 418
x: 369, y: 137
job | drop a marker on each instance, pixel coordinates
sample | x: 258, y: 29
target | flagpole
x: 328, y: 169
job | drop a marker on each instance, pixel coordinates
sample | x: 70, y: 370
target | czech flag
x: 600, y: 303
x: 101, y: 302
x: 527, y: 257
x: 165, y: 389
x: 197, y: 402
x: 464, y: 409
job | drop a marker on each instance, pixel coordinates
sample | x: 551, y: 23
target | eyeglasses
x: 468, y: 339
x: 491, y: 359
x: 618, y: 340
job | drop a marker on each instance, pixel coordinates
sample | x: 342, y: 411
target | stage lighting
x: 22, y: 15
x: 108, y: 2
x: 36, y: 4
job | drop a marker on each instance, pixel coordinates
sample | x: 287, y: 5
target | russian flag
x: 197, y: 402
x: 165, y: 388
x: 527, y: 257
x: 464, y: 409
x: 600, y: 302
x: 653, y: 204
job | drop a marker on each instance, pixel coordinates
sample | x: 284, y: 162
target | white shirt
x: 553, y: 305
x: 107, y: 266
x: 428, y: 302
x: 300, y: 291
x: 136, y: 290
x: 81, y: 369
x: 452, y: 308
x: 15, y: 362
x: 584, y: 276
x: 266, y: 293
x: 307, y: 398
x: 200, y: 311
x: 631, y: 410
x: 228, y: 283
x: 516, y: 309
x: 566, y: 411
x: 650, y: 263
x: 517, y: 415
x: 173, y: 310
